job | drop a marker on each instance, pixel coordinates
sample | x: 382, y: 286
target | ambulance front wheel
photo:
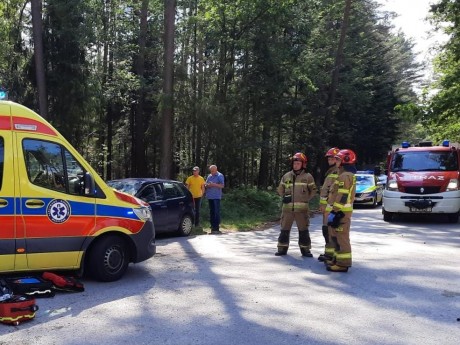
x: 108, y: 259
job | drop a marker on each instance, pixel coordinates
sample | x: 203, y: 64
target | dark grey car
x: 171, y: 202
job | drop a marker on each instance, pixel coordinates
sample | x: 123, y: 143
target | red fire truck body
x: 424, y: 180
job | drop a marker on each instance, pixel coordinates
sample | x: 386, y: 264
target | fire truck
x: 423, y: 179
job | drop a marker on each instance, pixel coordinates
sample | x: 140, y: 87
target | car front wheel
x: 108, y: 259
x: 186, y: 225
x: 374, y: 202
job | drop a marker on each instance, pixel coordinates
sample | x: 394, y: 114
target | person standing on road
x: 215, y: 182
x: 297, y: 188
x: 195, y: 184
x: 325, y: 202
x: 339, y: 219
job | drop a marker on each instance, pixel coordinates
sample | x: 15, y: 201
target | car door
x: 153, y: 194
x: 57, y: 217
x: 176, y: 202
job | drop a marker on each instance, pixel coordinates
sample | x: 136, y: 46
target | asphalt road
x: 403, y: 288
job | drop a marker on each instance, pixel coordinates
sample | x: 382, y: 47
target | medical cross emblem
x: 58, y: 211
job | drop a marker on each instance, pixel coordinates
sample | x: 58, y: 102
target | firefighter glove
x: 287, y: 199
x: 330, y: 217
x: 335, y: 223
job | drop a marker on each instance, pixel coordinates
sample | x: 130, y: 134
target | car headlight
x: 143, y: 213
x: 453, y: 185
x: 392, y: 185
x: 366, y: 195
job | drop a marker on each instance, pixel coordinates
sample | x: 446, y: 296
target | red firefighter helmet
x: 332, y: 152
x: 299, y: 156
x: 346, y: 156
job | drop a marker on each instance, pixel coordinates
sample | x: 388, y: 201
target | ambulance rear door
x: 57, y: 216
x: 7, y: 193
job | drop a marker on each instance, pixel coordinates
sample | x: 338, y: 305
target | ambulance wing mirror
x: 89, y: 185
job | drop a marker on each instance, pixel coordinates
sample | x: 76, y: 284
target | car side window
x: 148, y: 194
x: 171, y: 190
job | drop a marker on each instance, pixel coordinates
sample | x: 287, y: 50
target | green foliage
x: 252, y: 82
x: 245, y: 208
x: 443, y: 115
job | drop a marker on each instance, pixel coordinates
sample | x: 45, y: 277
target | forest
x: 153, y: 88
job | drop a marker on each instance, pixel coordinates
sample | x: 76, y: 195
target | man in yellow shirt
x: 195, y: 184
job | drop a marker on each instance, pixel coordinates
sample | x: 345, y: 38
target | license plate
x: 420, y: 210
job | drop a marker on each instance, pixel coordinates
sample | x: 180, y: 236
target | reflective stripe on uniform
x: 343, y: 256
x: 296, y: 205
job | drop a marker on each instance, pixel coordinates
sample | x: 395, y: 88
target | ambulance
x: 56, y: 213
x: 423, y: 179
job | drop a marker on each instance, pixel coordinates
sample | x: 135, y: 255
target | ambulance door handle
x: 3, y: 203
x: 34, y: 203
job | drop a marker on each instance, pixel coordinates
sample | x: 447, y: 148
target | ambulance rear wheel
x: 108, y: 259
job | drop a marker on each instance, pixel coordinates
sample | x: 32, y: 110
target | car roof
x: 143, y: 180
x: 365, y: 172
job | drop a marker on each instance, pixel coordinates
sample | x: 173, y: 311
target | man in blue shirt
x: 214, y: 184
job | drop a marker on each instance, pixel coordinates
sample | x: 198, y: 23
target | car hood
x: 364, y: 188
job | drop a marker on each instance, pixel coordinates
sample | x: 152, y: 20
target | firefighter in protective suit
x: 325, y: 202
x: 339, y: 219
x: 297, y: 188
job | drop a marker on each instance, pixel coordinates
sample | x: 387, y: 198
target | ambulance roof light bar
x: 3, y: 94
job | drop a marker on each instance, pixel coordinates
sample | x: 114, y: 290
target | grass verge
x: 246, y: 209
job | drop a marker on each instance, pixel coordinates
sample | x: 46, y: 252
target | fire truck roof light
x: 445, y: 143
x: 405, y: 144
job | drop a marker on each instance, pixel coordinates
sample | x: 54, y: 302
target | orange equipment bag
x: 17, y: 309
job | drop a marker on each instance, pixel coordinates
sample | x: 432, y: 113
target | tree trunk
x: 339, y: 56
x: 168, y: 83
x: 140, y: 167
x: 37, y: 25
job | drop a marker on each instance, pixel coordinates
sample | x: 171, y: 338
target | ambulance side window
x: 75, y: 173
x: 44, y: 163
x: 2, y: 155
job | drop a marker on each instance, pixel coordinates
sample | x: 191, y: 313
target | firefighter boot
x: 283, y: 242
x: 324, y: 257
x: 337, y: 268
x: 305, y: 243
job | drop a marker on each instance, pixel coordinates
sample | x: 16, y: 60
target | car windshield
x: 365, y: 180
x: 424, y: 161
x: 130, y: 187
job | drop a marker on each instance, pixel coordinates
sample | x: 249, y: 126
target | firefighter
x: 296, y: 187
x: 325, y: 202
x: 339, y: 219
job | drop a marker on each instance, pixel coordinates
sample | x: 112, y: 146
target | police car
x: 369, y: 191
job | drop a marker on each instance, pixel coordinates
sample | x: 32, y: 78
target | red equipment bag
x: 17, y: 309
x: 61, y: 283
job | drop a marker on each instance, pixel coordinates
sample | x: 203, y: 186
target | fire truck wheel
x: 453, y: 217
x: 387, y: 216
x: 108, y: 259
